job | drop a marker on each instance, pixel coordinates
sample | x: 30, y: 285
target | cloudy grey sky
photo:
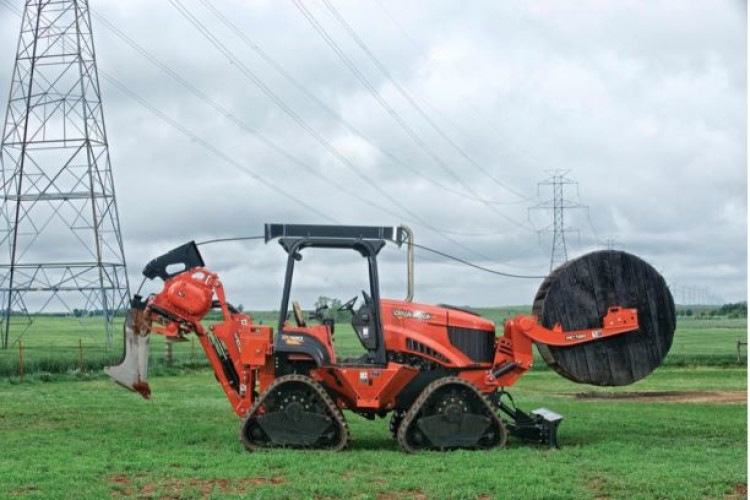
x: 448, y: 128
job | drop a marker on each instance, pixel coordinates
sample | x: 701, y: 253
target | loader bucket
x: 132, y: 372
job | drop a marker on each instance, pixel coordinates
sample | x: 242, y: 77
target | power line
x: 423, y: 247
x: 591, y: 225
x: 362, y: 45
x: 232, y: 117
x: 247, y: 128
x: 389, y: 109
x: 420, y: 50
x: 224, y: 240
x: 310, y: 95
x: 304, y: 125
x: 281, y: 104
x: 11, y: 7
x: 418, y: 46
x: 210, y: 147
x: 151, y: 58
x: 223, y: 111
x: 476, y: 266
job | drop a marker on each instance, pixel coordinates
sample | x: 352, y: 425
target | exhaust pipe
x: 409, y: 261
x: 132, y: 372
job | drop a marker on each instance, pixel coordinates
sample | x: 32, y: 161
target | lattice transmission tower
x: 558, y: 204
x: 60, y: 244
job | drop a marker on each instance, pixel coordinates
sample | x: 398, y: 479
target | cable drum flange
x: 577, y: 295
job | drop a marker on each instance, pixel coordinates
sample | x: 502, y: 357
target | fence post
x: 20, y: 359
x: 739, y: 344
x: 80, y: 355
x: 169, y: 351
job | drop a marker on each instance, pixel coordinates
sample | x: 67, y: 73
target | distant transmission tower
x: 61, y: 247
x: 611, y: 243
x: 558, y: 180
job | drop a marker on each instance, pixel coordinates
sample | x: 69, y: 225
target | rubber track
x: 424, y: 396
x: 321, y: 392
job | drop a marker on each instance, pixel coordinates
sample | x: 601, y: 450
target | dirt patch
x: 669, y: 396
x: 739, y: 490
x: 121, y: 484
x: 403, y: 495
x: 175, y: 488
x: 26, y: 490
x: 597, y: 486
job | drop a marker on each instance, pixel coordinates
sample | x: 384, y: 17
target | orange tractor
x: 441, y: 372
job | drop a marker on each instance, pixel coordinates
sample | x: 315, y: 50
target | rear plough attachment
x: 132, y: 372
x: 539, y: 426
x: 294, y: 412
x: 451, y: 414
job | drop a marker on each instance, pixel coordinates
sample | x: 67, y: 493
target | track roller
x: 396, y: 418
x: 294, y: 412
x: 451, y: 413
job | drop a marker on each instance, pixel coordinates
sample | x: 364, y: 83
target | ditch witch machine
x: 606, y: 318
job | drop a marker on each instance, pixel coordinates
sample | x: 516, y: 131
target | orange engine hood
x: 412, y: 314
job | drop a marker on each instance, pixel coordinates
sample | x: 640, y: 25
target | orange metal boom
x: 237, y: 349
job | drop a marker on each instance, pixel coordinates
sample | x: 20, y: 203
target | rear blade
x: 132, y: 372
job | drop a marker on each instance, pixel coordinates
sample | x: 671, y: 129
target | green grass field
x: 72, y: 434
x: 93, y: 440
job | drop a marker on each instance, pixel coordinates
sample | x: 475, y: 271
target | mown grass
x: 93, y: 440
x: 87, y: 438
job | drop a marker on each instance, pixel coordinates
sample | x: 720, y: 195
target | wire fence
x: 64, y: 346
x: 79, y: 356
x: 740, y: 343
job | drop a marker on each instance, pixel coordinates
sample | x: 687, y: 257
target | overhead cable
x: 211, y: 148
x: 304, y: 125
x: 406, y: 95
x: 476, y: 266
x: 390, y: 110
x: 333, y: 113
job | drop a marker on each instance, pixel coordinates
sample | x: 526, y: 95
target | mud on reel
x: 539, y: 426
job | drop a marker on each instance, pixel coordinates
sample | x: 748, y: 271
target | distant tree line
x: 733, y: 311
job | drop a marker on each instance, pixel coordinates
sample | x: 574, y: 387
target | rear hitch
x: 539, y: 426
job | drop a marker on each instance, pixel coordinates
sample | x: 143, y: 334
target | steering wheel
x: 298, y: 316
x: 349, y: 305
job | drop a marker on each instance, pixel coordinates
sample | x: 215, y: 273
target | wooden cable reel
x: 577, y: 295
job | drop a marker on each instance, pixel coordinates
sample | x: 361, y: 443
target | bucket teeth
x: 132, y: 372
